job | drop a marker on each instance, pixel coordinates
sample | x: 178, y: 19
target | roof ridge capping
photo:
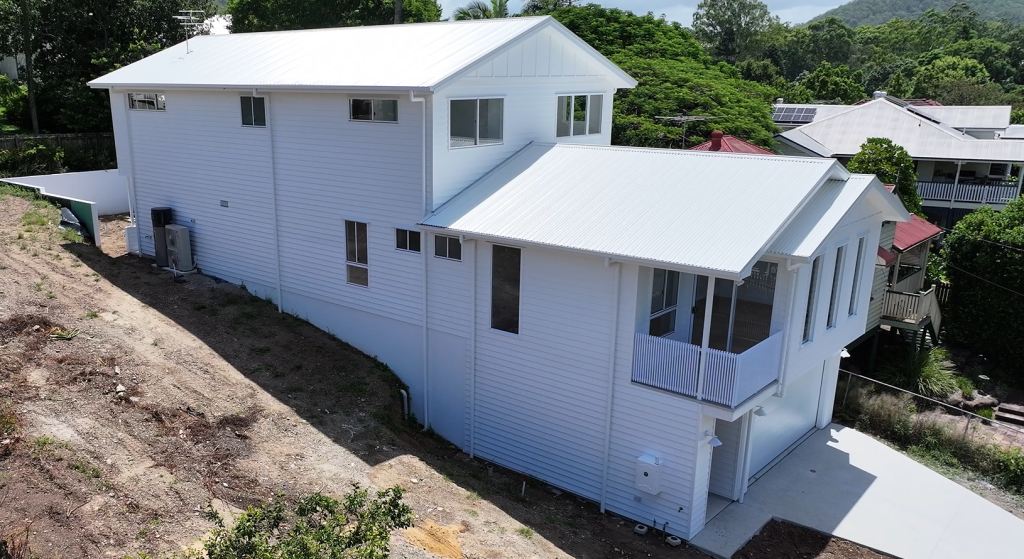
x: 357, y: 28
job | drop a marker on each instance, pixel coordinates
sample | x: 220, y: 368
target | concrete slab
x: 845, y: 483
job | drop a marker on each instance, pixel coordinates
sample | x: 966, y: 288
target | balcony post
x: 709, y: 303
x: 952, y: 195
x: 1020, y: 177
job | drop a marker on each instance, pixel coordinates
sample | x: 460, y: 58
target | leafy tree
x: 731, y: 29
x: 899, y: 85
x: 834, y: 83
x: 283, y: 15
x: 533, y: 7
x: 930, y: 79
x: 477, y: 9
x: 984, y: 261
x: 356, y: 526
x: 1017, y: 116
x: 675, y: 77
x: 892, y: 165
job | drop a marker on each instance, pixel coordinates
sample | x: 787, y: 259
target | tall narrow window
x: 505, y: 275
x: 357, y: 269
x: 407, y: 240
x: 664, y: 298
x: 476, y: 122
x: 837, y: 278
x: 856, y: 275
x: 254, y: 111
x: 146, y: 102
x: 579, y: 115
x: 812, y: 291
x: 447, y: 247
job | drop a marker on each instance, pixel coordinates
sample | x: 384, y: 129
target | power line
x: 980, y: 239
x: 985, y: 280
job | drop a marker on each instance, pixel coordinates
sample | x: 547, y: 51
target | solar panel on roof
x: 794, y: 115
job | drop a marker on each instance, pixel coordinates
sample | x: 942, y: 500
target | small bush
x: 34, y: 158
x: 1010, y: 464
x: 887, y: 415
x: 987, y: 413
x: 966, y: 387
x: 924, y: 371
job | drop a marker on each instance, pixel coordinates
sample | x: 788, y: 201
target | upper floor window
x: 378, y: 110
x: 579, y: 115
x: 356, y: 258
x: 812, y: 292
x: 407, y: 240
x: 254, y: 111
x: 664, y: 298
x: 147, y: 102
x: 837, y: 278
x: 476, y: 122
x: 447, y: 247
x: 861, y: 244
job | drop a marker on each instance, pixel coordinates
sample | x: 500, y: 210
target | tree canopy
x: 283, y: 15
x: 892, y: 165
x: 731, y: 29
x: 874, y: 12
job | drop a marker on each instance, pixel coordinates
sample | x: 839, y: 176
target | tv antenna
x: 683, y: 119
x: 191, y: 21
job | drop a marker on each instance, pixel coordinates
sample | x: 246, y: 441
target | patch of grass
x: 473, y: 496
x: 92, y: 314
x: 987, y: 413
x: 259, y: 350
x: 51, y: 295
x: 38, y: 286
x: 472, y: 512
x: 64, y: 333
x: 524, y: 532
x: 70, y: 236
x: 34, y: 217
x: 44, y: 442
x: 924, y: 371
x: 353, y: 387
x: 86, y: 470
x: 966, y: 387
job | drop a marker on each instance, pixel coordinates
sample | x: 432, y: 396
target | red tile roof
x: 730, y: 144
x: 913, y: 232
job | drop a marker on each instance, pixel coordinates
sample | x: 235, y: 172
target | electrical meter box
x: 648, y: 474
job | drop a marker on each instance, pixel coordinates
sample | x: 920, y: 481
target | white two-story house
x: 645, y: 328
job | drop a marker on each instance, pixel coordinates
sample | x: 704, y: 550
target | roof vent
x: 879, y: 95
x: 716, y: 140
x: 780, y: 100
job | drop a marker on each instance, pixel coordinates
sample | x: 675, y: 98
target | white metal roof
x: 684, y: 209
x: 418, y: 56
x: 1013, y: 132
x: 843, y: 134
x: 992, y: 117
x: 826, y: 209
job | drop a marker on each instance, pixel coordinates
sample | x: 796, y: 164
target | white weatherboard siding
x: 192, y: 156
x: 530, y: 76
x: 724, y: 459
x: 881, y: 278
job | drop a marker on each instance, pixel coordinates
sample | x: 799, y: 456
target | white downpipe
x: 705, y: 339
x: 610, y: 395
x: 405, y: 403
x: 423, y: 249
x: 133, y: 205
x: 273, y: 198
x: 780, y: 390
x: 472, y: 358
x: 748, y: 444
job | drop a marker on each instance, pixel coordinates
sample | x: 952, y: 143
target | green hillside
x: 875, y: 12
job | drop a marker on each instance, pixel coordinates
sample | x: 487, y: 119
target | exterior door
x: 788, y: 419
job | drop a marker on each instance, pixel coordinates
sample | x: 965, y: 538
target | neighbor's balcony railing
x: 992, y: 192
x: 729, y: 378
x: 913, y: 307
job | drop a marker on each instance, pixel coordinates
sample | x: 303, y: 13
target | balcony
x: 913, y: 308
x: 990, y: 192
x: 728, y: 378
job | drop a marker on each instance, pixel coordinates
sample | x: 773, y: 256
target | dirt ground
x: 129, y: 402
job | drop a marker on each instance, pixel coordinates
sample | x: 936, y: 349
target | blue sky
x: 794, y: 11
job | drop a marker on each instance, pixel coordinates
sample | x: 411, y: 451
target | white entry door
x: 788, y: 419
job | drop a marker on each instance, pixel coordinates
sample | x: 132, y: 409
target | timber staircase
x: 1010, y: 413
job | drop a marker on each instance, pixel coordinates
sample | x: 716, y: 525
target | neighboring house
x: 598, y: 317
x: 730, y: 144
x: 963, y: 155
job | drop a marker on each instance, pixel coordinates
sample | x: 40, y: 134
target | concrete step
x: 1008, y: 416
x: 1012, y: 408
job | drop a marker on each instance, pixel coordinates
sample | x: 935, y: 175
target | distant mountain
x: 875, y: 12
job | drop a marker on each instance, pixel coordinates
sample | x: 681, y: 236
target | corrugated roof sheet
x: 732, y: 144
x: 843, y: 134
x: 690, y: 209
x: 820, y: 216
x: 1013, y: 132
x: 408, y: 56
x: 913, y: 232
x: 968, y: 117
x: 884, y: 257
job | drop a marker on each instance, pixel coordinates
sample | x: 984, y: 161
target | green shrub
x: 966, y: 387
x: 1010, y: 465
x: 35, y: 158
x: 923, y: 371
x: 987, y: 413
x: 887, y: 415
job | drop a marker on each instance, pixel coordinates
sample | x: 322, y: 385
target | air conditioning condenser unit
x: 179, y: 248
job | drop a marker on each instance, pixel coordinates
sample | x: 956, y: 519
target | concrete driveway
x: 845, y: 483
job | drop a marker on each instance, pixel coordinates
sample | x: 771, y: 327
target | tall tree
x: 478, y: 9
x: 892, y: 165
x: 732, y: 30
x: 834, y: 83
x: 282, y: 15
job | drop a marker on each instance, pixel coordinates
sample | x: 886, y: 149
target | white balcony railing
x: 993, y: 192
x: 913, y: 307
x: 729, y: 378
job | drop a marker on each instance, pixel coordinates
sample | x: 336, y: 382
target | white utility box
x: 648, y: 474
x: 179, y: 248
x: 131, y: 238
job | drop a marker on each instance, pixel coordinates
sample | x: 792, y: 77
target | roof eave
x: 249, y: 87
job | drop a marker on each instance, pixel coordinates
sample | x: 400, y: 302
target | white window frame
x: 858, y: 270
x: 252, y: 109
x: 373, y: 110
x: 355, y: 263
x: 476, y: 121
x: 448, y: 239
x: 159, y: 101
x: 838, y: 275
x: 399, y: 230
x: 666, y: 309
x: 810, y: 318
x: 586, y: 125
